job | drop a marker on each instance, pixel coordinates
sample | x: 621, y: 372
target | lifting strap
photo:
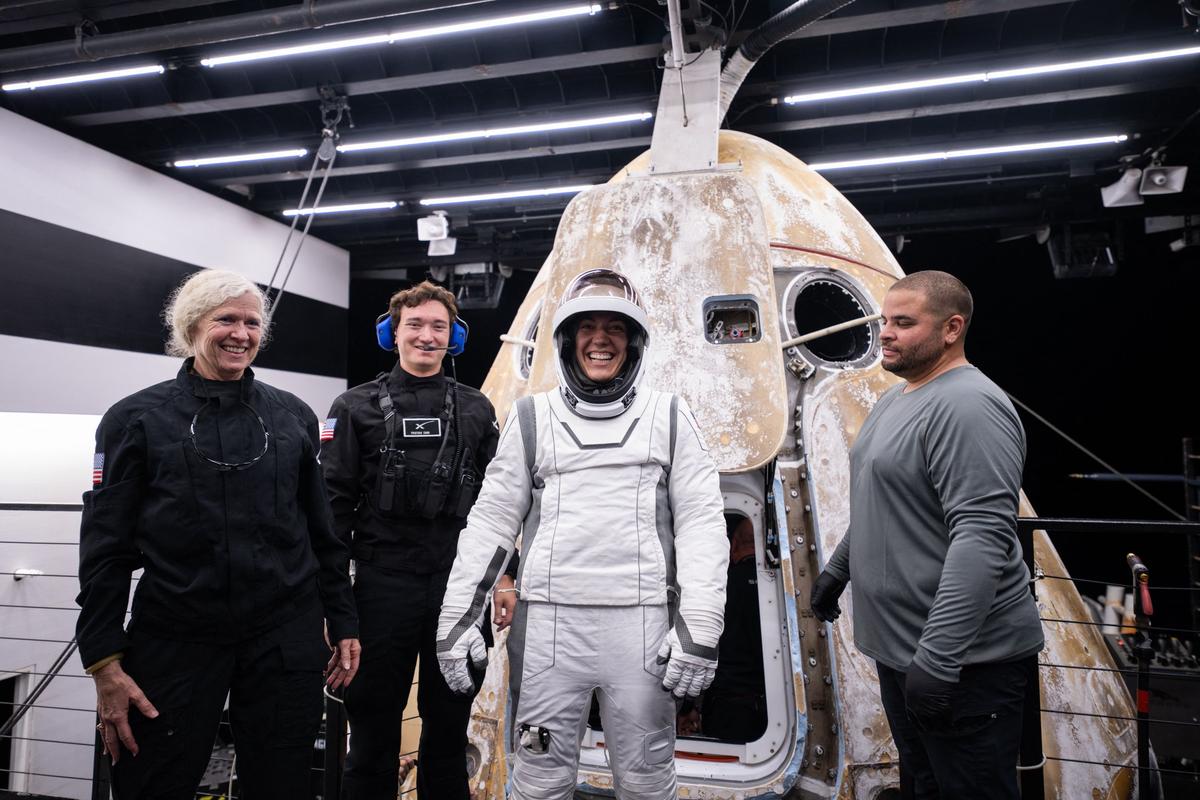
x: 333, y: 108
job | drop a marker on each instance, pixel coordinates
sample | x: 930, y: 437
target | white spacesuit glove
x: 690, y: 653
x: 456, y: 662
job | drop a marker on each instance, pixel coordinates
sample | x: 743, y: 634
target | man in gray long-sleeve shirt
x: 941, y: 597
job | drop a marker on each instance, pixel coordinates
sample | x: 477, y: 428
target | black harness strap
x: 392, y: 466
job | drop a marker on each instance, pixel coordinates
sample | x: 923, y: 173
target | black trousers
x: 398, y: 615
x: 974, y: 757
x: 274, y: 687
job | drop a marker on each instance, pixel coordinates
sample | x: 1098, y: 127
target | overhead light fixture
x: 484, y: 198
x: 993, y: 75
x: 404, y: 35
x: 943, y: 155
x: 489, y: 133
x: 85, y: 77
x: 380, y: 206
x: 238, y: 159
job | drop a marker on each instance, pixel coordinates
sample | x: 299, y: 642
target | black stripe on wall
x: 66, y: 286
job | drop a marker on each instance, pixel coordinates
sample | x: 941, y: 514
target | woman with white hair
x: 210, y: 483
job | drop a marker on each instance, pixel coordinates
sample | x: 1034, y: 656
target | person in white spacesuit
x: 623, y: 557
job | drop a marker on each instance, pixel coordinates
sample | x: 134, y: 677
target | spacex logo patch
x: 422, y: 428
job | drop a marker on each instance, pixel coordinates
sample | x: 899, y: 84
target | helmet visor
x: 601, y: 283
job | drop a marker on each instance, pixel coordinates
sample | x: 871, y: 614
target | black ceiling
x: 609, y: 63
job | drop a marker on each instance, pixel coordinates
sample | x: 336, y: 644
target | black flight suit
x: 403, y: 559
x: 240, y: 567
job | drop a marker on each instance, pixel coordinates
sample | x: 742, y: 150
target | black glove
x: 824, y: 598
x: 930, y: 700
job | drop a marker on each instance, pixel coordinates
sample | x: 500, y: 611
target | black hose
x: 796, y: 16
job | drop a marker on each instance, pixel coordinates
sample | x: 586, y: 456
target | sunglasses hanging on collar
x: 227, y: 466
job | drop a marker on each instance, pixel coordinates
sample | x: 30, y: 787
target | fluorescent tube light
x: 1093, y: 63
x: 86, y: 77
x: 380, y: 206
x: 238, y: 159
x: 495, y: 22
x: 403, y: 35
x: 994, y: 75
x: 488, y: 133
x: 885, y: 88
x: 483, y: 198
x: 943, y: 155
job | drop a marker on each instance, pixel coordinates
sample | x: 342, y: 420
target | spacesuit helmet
x: 599, y: 290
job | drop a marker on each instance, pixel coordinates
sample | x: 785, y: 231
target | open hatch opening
x: 733, y: 709
x: 821, y: 301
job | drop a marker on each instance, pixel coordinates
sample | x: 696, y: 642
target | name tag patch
x: 422, y: 428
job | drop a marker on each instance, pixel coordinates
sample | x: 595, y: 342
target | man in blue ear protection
x: 403, y: 457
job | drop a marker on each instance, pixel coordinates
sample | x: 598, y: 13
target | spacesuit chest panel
x: 597, y: 540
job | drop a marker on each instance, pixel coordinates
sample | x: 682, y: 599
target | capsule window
x: 731, y: 319
x: 821, y: 302
x: 524, y: 352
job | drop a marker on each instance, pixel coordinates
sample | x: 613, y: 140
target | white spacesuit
x: 623, y: 563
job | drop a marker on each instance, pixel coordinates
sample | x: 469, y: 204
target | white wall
x: 50, y: 176
x: 52, y: 393
x: 60, y: 378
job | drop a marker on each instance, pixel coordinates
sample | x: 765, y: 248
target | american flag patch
x: 327, y: 430
x: 97, y: 469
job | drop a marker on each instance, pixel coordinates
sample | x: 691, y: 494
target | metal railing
x: 333, y: 740
x: 1149, y: 773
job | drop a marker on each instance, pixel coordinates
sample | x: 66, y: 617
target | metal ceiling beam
x: 454, y: 124
x: 416, y: 258
x: 815, y: 123
x: 421, y: 80
x: 447, y: 161
x: 934, y: 12
x: 300, y: 17
x: 957, y: 9
x: 40, y: 15
x: 411, y: 198
x: 971, y: 106
x: 1099, y: 47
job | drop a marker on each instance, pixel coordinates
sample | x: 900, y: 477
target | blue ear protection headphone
x: 385, y: 337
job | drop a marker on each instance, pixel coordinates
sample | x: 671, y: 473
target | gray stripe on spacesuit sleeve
x: 674, y: 424
x: 481, y: 589
x: 664, y: 525
x: 690, y: 647
x: 516, y: 659
x: 527, y: 415
x: 533, y: 521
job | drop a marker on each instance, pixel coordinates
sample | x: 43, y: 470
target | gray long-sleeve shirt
x: 931, y: 552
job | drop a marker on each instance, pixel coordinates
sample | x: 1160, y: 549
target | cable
x: 1096, y: 458
x: 333, y: 107
x: 1113, y: 716
x: 1109, y: 624
x: 1130, y: 671
x: 1117, y: 583
x: 1123, y: 766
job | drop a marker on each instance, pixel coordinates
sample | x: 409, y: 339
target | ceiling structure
x: 609, y: 63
